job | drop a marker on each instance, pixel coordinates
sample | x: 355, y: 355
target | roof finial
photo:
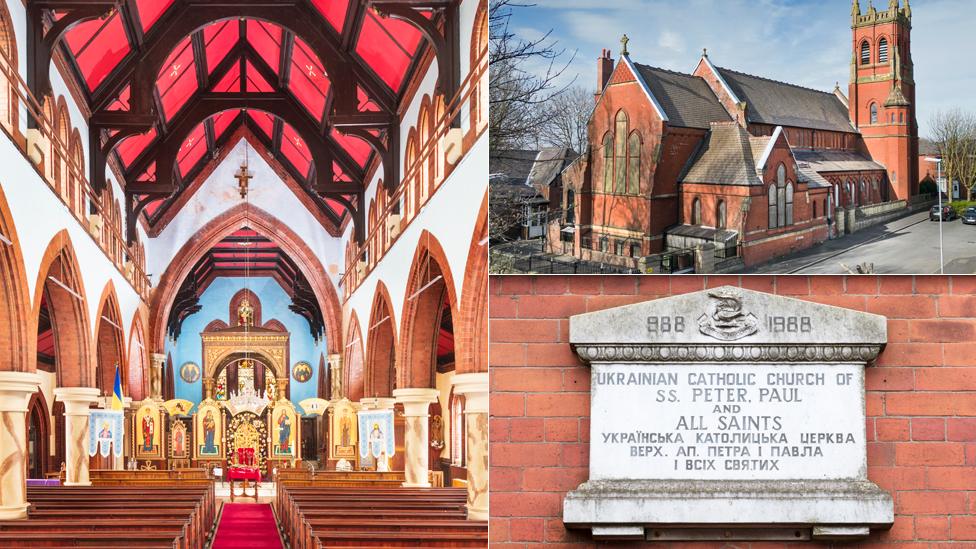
x: 623, y: 41
x: 908, y: 10
x: 893, y: 5
x: 705, y: 52
x: 856, y: 8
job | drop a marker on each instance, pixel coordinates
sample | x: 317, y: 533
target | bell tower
x: 882, y: 92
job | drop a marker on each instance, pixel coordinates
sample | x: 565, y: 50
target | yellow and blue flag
x: 117, y: 391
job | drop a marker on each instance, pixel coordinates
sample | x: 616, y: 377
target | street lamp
x: 938, y: 161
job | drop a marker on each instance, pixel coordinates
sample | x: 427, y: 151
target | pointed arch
x: 471, y: 329
x: 381, y: 347
x: 269, y: 226
x: 15, y: 300
x: 68, y: 307
x: 354, y: 365
x: 109, y: 343
x: 235, y: 302
x: 137, y: 369
x: 479, y: 50
x: 422, y: 307
x: 9, y: 101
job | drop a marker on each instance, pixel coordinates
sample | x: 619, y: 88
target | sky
x: 803, y: 42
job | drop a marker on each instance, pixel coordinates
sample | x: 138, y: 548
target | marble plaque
x: 728, y: 414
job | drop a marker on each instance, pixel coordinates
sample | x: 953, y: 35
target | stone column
x: 76, y: 415
x: 156, y: 376
x: 335, y: 376
x: 474, y: 387
x: 282, y: 388
x: 16, y: 389
x: 416, y: 439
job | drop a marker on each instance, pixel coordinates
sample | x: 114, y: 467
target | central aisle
x: 247, y: 526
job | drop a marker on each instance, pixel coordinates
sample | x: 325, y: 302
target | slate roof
x: 513, y: 164
x: 686, y: 99
x: 835, y: 161
x: 806, y: 174
x: 781, y: 104
x: 927, y: 147
x: 727, y: 156
x: 548, y: 164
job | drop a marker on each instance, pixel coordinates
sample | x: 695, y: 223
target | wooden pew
x: 175, y: 517
x: 317, y: 517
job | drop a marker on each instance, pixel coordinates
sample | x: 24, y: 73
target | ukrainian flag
x: 117, y: 391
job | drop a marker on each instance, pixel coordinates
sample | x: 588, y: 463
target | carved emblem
x: 725, y: 320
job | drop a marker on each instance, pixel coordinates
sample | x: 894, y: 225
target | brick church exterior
x: 758, y: 167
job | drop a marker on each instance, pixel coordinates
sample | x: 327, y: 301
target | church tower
x: 882, y: 91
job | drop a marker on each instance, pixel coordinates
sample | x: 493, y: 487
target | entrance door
x: 36, y: 449
x: 309, y: 439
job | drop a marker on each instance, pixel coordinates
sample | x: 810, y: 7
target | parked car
x: 948, y: 214
x: 969, y: 216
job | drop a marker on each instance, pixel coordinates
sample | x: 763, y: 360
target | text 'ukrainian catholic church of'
x: 756, y: 167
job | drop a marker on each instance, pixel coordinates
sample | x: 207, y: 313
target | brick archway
x: 68, y: 308
x: 380, y: 366
x: 269, y: 226
x: 422, y: 307
x: 353, y: 373
x: 15, y: 303
x: 471, y: 327
x: 138, y: 364
x: 109, y: 341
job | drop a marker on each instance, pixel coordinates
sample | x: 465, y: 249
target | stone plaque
x: 728, y: 414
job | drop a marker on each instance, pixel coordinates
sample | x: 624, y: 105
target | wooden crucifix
x: 243, y: 176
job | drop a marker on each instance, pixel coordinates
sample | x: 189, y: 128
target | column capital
x: 416, y: 402
x: 16, y: 389
x: 157, y: 358
x: 474, y: 387
x: 77, y: 399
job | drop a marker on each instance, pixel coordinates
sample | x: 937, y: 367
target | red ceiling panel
x: 231, y: 82
x: 192, y: 149
x: 295, y: 150
x: 151, y: 10
x: 153, y: 207
x: 265, y: 38
x: 255, y: 82
x: 364, y: 102
x: 222, y: 121
x: 98, y: 46
x: 388, y: 46
x: 357, y: 148
x: 131, y: 147
x: 177, y: 79
x: 264, y: 121
x: 308, y: 80
x: 334, y: 12
x: 121, y: 103
x: 219, y: 39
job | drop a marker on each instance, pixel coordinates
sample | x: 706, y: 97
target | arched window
x: 772, y: 206
x: 457, y: 430
x: 883, y: 50
x: 865, y: 53
x: 815, y: 209
x: 608, y: 164
x: 874, y: 113
x: 633, y: 163
x: 696, y: 212
x: 720, y: 215
x: 570, y: 207
x: 781, y: 199
x: 789, y: 203
x: 620, y: 154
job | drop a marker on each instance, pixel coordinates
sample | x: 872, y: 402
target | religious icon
x: 178, y: 442
x: 245, y: 313
x: 346, y: 431
x: 284, y: 434
x: 148, y: 430
x: 105, y: 432
x: 190, y: 372
x: 302, y: 372
x: 209, y: 430
x: 376, y: 440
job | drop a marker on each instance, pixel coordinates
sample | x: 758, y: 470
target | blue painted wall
x: 215, y: 303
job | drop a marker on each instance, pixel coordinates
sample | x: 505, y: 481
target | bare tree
x: 568, y: 116
x: 522, y: 79
x: 954, y: 132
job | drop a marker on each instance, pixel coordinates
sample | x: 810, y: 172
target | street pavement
x: 909, y: 245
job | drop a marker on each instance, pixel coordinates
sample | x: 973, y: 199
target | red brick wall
x: 921, y: 398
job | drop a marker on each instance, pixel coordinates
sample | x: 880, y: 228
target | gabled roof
x: 548, y: 164
x: 687, y: 100
x: 513, y: 164
x: 781, y: 104
x: 728, y: 156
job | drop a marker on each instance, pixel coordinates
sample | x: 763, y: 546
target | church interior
x: 243, y: 273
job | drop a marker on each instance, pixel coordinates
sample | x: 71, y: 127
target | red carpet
x: 247, y: 526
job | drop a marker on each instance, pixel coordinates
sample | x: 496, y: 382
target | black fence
x: 548, y: 264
